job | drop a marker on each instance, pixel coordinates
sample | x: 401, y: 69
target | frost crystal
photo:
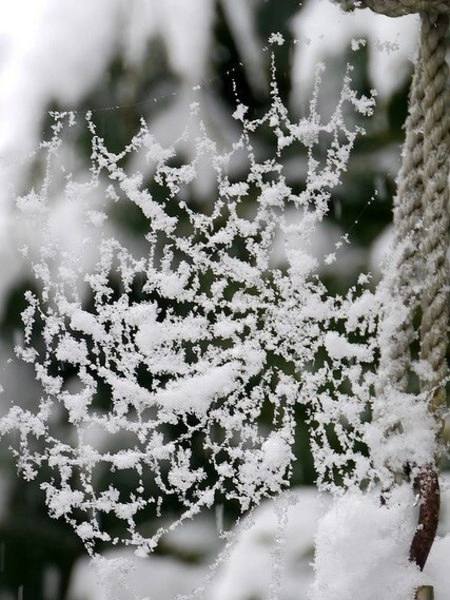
x: 177, y: 349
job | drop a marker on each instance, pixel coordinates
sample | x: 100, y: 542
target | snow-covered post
x: 421, y: 223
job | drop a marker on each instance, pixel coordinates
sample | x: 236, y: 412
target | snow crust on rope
x: 398, y: 8
x: 418, y: 274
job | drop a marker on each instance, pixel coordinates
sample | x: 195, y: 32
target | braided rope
x: 421, y: 217
x: 436, y: 221
x: 435, y: 311
x: 421, y: 220
x: 396, y: 357
x: 398, y: 8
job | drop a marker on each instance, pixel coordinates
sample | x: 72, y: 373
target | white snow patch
x: 362, y: 549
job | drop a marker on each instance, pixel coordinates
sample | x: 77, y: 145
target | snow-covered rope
x: 413, y: 203
x: 395, y: 359
x: 436, y: 144
x: 435, y: 301
x: 398, y: 8
x: 421, y: 221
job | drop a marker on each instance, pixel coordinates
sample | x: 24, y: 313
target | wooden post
x: 425, y: 592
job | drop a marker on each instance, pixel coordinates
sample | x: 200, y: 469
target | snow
x: 381, y: 249
x: 87, y: 323
x: 415, y: 444
x: 276, y: 452
x: 313, y: 251
x: 71, y: 351
x: 61, y: 502
x: 276, y: 39
x: 362, y: 549
x: 276, y: 541
x: 77, y: 404
x: 188, y: 53
x: 42, y: 61
x: 436, y: 570
x: 339, y: 347
x: 195, y: 394
x: 323, y: 31
x: 158, y: 578
x: 247, y: 569
x: 239, y: 113
x: 42, y: 64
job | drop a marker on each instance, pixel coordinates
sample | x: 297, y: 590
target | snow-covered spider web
x: 191, y: 353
